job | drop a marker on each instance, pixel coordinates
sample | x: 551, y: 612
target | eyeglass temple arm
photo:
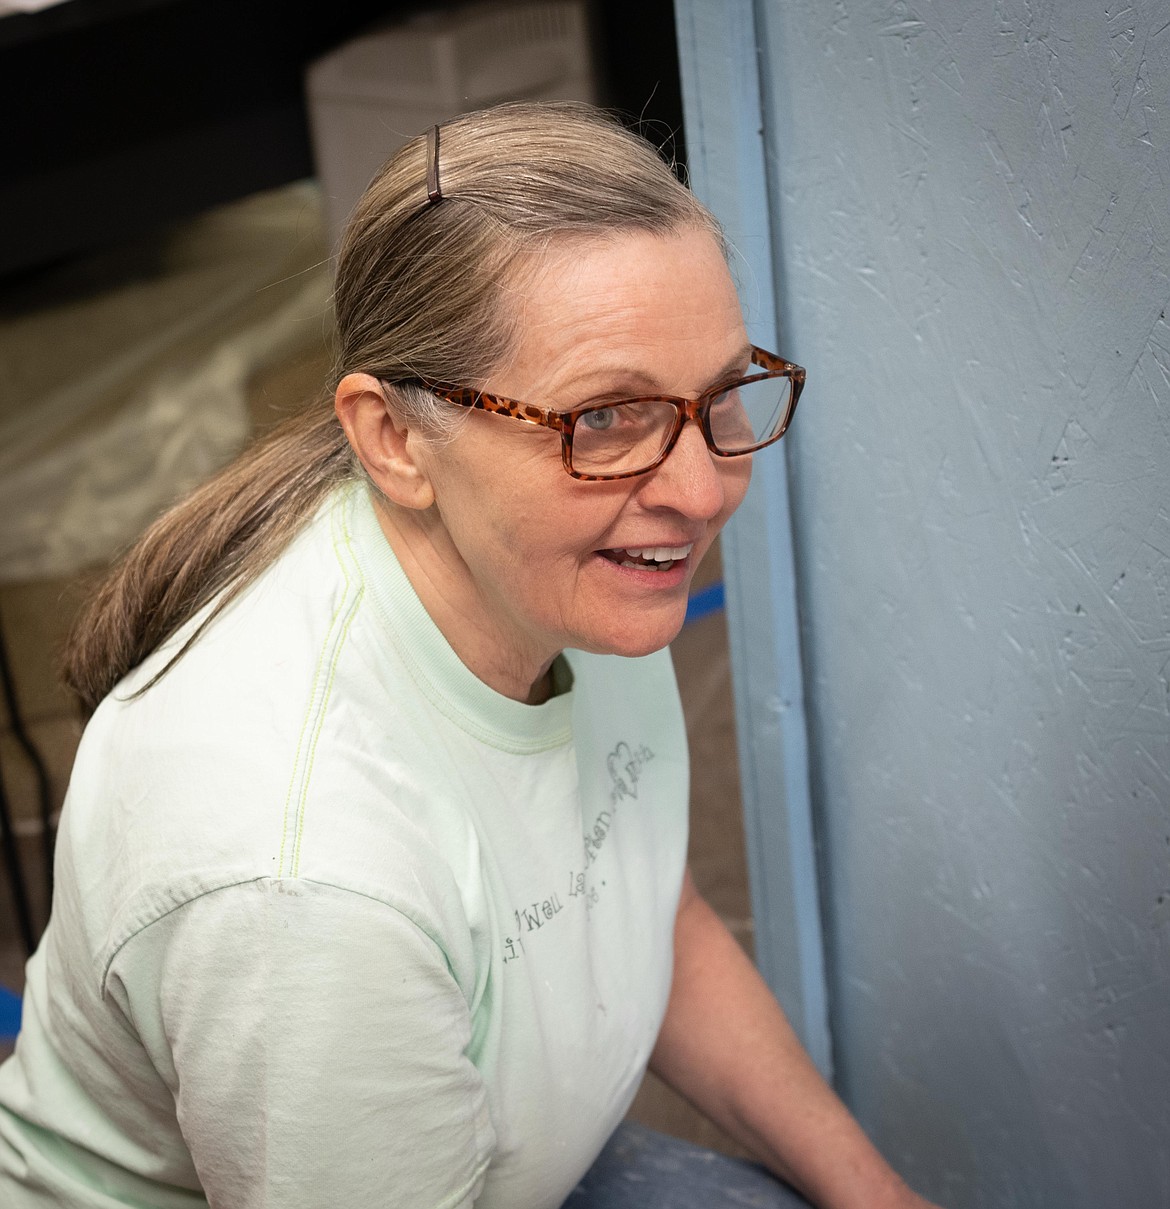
x: 771, y: 361
x: 467, y: 396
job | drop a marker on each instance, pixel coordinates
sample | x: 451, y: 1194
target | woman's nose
x: 690, y: 480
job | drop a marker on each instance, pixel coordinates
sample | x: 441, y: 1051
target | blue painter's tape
x: 705, y: 601
x: 9, y: 1013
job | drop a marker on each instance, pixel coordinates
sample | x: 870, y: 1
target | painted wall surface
x: 972, y: 203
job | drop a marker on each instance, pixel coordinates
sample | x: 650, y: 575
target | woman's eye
x: 600, y: 420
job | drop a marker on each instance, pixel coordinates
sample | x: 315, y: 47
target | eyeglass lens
x: 627, y: 437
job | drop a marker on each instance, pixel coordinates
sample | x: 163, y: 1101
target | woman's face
x: 522, y: 560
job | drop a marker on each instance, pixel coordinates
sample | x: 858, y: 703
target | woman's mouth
x: 648, y: 558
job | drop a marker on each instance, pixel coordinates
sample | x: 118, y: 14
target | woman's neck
x: 449, y: 597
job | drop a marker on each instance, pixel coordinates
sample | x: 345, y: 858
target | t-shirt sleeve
x: 315, y: 1041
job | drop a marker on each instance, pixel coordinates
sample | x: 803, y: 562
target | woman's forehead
x: 635, y: 303
x: 567, y: 261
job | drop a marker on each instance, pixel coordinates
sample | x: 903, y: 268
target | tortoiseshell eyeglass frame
x: 697, y: 409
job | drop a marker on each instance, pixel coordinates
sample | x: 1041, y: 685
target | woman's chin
x: 644, y: 639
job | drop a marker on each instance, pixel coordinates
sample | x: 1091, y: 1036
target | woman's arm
x: 314, y: 1041
x: 727, y: 1047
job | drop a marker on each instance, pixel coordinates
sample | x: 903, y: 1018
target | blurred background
x: 927, y: 678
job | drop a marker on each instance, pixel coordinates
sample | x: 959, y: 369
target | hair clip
x: 434, y: 193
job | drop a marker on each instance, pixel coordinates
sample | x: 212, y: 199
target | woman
x: 373, y: 857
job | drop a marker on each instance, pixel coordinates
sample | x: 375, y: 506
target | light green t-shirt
x: 337, y: 924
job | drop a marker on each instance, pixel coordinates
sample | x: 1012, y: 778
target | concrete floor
x: 36, y: 613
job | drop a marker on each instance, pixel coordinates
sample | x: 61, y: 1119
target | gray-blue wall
x: 971, y: 212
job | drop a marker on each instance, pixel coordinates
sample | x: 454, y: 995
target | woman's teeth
x: 656, y: 557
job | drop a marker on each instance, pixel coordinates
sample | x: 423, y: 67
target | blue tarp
x: 704, y: 601
x: 9, y: 1013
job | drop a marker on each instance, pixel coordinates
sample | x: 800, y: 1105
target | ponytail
x: 213, y: 544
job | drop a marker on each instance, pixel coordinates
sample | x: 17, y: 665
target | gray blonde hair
x: 421, y: 294
x: 422, y: 287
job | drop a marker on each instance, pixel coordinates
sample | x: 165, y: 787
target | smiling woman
x: 370, y: 883
x: 509, y: 589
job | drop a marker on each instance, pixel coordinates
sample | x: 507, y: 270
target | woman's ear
x: 384, y: 442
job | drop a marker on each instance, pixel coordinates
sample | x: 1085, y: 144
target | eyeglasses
x: 620, y: 439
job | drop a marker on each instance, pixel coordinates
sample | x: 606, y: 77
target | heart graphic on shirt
x: 621, y: 764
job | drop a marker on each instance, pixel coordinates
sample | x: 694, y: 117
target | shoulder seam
x: 296, y: 798
x: 410, y: 916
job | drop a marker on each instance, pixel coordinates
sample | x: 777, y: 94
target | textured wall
x: 973, y: 207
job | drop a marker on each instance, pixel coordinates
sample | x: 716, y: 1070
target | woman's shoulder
x: 156, y: 820
x: 264, y: 732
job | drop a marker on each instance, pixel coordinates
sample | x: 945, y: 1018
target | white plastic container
x: 369, y: 96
